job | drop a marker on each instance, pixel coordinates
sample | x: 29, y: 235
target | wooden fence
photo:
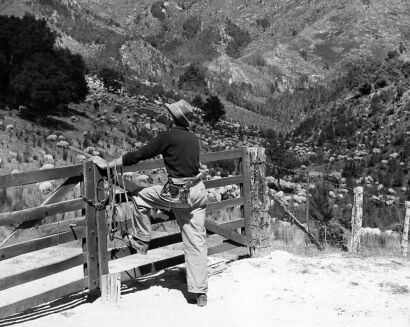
x: 248, y: 230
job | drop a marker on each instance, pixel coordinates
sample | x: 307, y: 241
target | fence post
x: 405, y: 235
x: 357, y: 214
x: 260, y: 221
x: 307, y: 199
x: 101, y: 225
x: 91, y: 223
x: 245, y: 193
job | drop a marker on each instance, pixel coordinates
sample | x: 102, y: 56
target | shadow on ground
x: 172, y: 278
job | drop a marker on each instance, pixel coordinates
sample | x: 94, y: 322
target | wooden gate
x: 92, y: 228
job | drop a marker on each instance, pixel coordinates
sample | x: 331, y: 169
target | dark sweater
x: 179, y: 147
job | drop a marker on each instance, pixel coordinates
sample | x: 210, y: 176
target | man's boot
x: 201, y: 299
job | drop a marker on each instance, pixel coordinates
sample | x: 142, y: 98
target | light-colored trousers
x: 191, y: 220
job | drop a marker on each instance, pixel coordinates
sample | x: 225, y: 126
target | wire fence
x: 371, y: 205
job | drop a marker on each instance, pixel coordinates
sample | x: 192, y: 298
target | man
x: 184, y: 194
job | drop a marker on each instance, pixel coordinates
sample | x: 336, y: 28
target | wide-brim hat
x: 180, y: 111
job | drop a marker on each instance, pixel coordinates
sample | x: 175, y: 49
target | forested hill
x: 253, y: 53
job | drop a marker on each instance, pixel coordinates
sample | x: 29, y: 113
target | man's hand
x: 100, y: 162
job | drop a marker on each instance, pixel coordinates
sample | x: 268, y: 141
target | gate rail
x: 91, y: 226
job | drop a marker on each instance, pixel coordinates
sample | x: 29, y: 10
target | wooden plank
x: 145, y: 165
x: 246, y: 194
x: 231, y: 224
x: 57, y: 196
x: 173, y: 238
x: 221, y: 155
x: 219, y: 229
x: 45, y: 230
x: 11, y: 218
x: 224, y: 181
x: 37, y: 176
x: 213, y: 206
x: 60, y: 226
x: 204, y: 157
x: 91, y: 243
x: 47, y: 270
x: 14, y: 250
x: 110, y: 288
x: 225, y: 246
x: 156, y: 266
x: 60, y: 193
x: 152, y: 267
x: 130, y: 186
x: 155, y: 243
x: 44, y: 297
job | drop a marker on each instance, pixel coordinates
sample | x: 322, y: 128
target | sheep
x: 128, y: 175
x: 9, y: 127
x: 47, y: 166
x: 51, y: 137
x: 62, y: 144
x: 142, y: 180
x: 371, y: 231
x: 80, y: 158
x: 89, y: 149
x: 48, y: 158
x: 45, y: 187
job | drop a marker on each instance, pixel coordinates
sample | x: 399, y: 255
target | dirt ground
x: 281, y: 289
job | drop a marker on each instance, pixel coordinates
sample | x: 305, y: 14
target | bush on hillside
x: 157, y: 10
x: 191, y: 27
x: 263, y: 22
x: 239, y: 39
x: 193, y: 79
x: 213, y: 110
x: 197, y: 101
x: 111, y: 78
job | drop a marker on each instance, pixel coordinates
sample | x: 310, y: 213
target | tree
x: 197, y: 101
x: 213, y: 110
x: 34, y: 73
x: 193, y: 79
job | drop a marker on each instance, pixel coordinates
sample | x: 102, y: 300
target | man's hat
x: 180, y: 111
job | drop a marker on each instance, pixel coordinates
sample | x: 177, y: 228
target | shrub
x: 191, y: 27
x: 197, y: 101
x: 239, y: 39
x: 334, y: 234
x: 33, y: 72
x: 111, y: 78
x: 118, y: 108
x: 157, y: 10
x: 263, y: 22
x: 193, y: 79
x: 213, y: 110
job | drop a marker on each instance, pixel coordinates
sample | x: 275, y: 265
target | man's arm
x: 151, y: 150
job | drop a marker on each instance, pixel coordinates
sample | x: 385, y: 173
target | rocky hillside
x: 252, y: 51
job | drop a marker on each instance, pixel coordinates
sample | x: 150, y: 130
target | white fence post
x: 405, y: 235
x: 357, y: 215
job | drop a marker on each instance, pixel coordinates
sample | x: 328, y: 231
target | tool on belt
x: 179, y: 189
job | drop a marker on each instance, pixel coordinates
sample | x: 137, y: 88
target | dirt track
x: 278, y: 290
